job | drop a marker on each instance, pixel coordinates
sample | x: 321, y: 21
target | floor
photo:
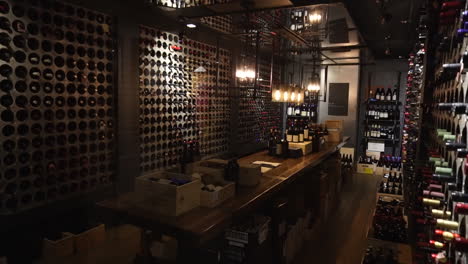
x: 343, y: 238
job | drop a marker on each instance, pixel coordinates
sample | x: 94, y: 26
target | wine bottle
x: 461, y: 208
x: 459, y: 197
x: 285, y: 147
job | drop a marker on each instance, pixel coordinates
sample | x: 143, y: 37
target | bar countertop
x: 202, y: 224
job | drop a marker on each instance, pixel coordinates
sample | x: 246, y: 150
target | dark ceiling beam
x: 214, y: 10
x: 333, y: 48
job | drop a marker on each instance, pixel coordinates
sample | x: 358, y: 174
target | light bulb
x: 293, y: 96
x: 310, y: 87
x: 286, y: 96
x: 277, y: 95
x: 299, y: 97
x: 315, y: 17
x: 250, y: 74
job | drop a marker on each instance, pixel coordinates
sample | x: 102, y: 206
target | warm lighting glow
x: 191, y: 25
x: 315, y: 17
x: 285, y: 96
x: 299, y: 98
x: 245, y: 74
x: 293, y: 96
x: 277, y: 95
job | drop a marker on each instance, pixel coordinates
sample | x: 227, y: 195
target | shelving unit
x: 393, y: 123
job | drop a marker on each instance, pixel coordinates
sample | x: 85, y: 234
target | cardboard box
x: 335, y: 135
x: 305, y: 146
x: 365, y: 168
x: 65, y: 246
x: 334, y: 124
x: 90, y: 238
x: 250, y: 174
x: 165, y: 198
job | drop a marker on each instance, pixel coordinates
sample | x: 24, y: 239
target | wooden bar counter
x: 203, y: 224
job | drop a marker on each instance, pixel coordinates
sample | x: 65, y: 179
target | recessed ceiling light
x: 191, y: 25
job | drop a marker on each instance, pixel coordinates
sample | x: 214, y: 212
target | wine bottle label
x: 306, y: 134
x: 289, y: 138
x: 295, y: 138
x: 301, y: 137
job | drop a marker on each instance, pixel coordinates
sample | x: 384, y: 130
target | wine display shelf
x: 445, y: 86
x: 257, y: 113
x: 181, y: 98
x: 220, y: 23
x: 57, y: 103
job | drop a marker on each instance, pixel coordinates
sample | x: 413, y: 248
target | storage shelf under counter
x: 201, y: 224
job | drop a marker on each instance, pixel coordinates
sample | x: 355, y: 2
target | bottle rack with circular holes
x: 181, y: 98
x: 257, y: 113
x: 56, y: 102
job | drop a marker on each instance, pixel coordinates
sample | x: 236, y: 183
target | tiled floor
x: 342, y: 239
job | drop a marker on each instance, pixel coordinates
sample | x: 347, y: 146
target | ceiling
x: 367, y: 15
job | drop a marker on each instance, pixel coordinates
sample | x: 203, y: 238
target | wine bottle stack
x: 389, y: 222
x: 412, y: 120
x: 56, y: 102
x: 220, y: 23
x: 257, y: 113
x: 183, y: 104
x: 439, y: 193
x: 187, y: 3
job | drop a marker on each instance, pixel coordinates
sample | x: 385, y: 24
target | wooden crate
x: 165, y: 198
x: 65, y: 246
x: 90, y: 238
x: 334, y: 124
x: 250, y: 174
x: 215, y: 198
x: 305, y: 146
x: 335, y: 135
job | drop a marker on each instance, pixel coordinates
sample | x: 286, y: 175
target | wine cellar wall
x: 57, y: 103
x: 182, y: 99
x: 435, y: 152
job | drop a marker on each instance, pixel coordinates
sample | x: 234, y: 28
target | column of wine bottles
x: 257, y: 113
x: 440, y: 190
x: 183, y: 99
x: 56, y: 102
x: 220, y: 23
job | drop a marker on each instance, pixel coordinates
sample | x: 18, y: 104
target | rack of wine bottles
x: 382, y: 119
x: 187, y: 3
x: 257, y: 113
x: 439, y: 190
x: 182, y: 107
x: 220, y: 23
x: 56, y: 103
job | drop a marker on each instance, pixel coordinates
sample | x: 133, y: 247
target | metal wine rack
x: 183, y: 98
x: 57, y: 103
x: 257, y: 113
x: 220, y: 23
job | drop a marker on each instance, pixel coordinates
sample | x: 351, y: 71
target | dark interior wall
x: 130, y: 14
x: 384, y: 73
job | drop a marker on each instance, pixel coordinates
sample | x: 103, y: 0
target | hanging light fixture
x: 314, y: 83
